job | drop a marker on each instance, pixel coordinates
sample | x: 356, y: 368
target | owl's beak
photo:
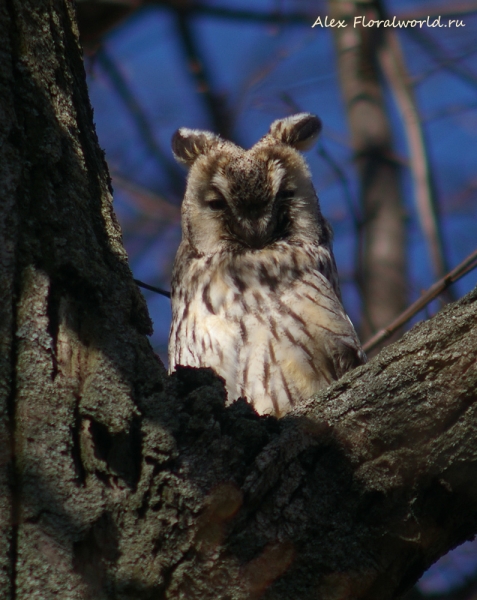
x: 257, y: 240
x: 250, y: 223
x: 253, y: 233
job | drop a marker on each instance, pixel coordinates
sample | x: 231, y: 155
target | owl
x: 255, y: 293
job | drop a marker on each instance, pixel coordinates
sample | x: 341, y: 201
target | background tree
x: 381, y: 257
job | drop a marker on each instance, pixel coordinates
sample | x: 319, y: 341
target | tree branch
x: 380, y: 468
x: 214, y: 104
x: 136, y: 112
x: 441, y: 57
x: 151, y: 204
x: 467, y: 265
x: 393, y: 66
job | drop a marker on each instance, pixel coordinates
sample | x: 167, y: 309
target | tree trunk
x: 119, y: 482
x: 381, y: 266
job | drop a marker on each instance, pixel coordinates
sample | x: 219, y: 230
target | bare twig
x: 442, y: 64
x: 466, y: 194
x: 454, y: 9
x: 439, y: 54
x: 151, y: 204
x: 462, y: 269
x: 272, y: 17
x: 394, y: 68
x: 136, y: 112
x: 152, y: 288
x: 450, y: 111
x: 215, y: 105
x: 343, y: 180
x: 302, y: 18
x: 358, y: 223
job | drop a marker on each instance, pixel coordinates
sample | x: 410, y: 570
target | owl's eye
x: 285, y: 194
x: 217, y: 204
x: 216, y: 200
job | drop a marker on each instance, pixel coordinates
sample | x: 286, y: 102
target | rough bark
x: 118, y: 482
x: 381, y: 264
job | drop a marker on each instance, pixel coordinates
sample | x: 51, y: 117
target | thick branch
x: 359, y: 491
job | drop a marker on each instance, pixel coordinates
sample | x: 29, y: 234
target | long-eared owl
x: 255, y: 292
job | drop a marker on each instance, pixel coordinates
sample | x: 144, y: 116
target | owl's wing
x: 334, y: 338
x: 298, y: 341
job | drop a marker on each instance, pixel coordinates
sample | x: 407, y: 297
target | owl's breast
x: 276, y: 339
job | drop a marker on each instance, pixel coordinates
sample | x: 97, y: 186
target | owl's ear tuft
x: 299, y: 131
x: 189, y: 144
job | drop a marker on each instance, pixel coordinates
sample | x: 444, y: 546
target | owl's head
x: 250, y: 199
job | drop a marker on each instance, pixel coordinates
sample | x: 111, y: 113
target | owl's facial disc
x: 252, y: 199
x: 238, y: 200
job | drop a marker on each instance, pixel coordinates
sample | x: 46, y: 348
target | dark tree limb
x: 119, y: 482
